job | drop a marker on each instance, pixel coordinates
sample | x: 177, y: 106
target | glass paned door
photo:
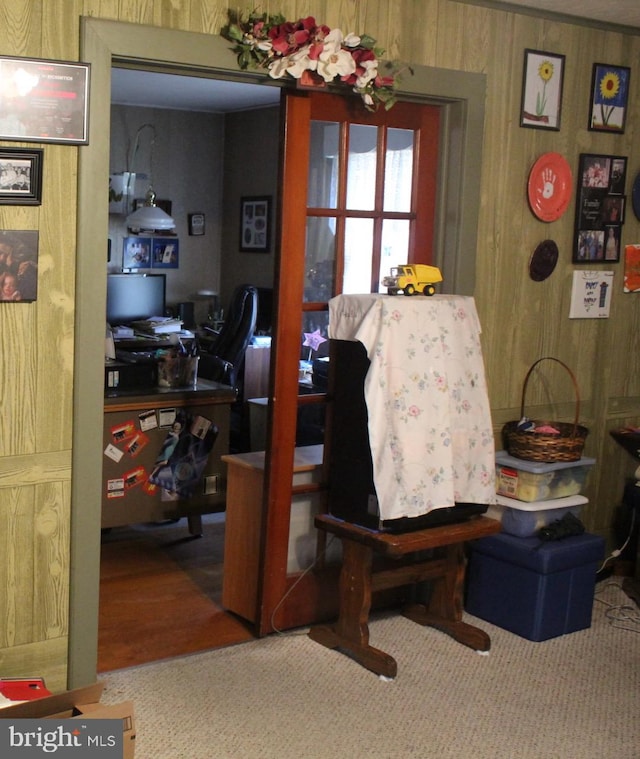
x: 357, y: 197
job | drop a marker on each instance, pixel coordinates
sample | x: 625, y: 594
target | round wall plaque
x: 543, y: 260
x: 549, y: 186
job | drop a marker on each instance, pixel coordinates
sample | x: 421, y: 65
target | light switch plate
x: 212, y: 484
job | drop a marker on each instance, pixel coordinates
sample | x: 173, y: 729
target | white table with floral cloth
x: 430, y: 429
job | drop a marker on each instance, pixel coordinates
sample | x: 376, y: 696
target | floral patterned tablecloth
x: 430, y: 428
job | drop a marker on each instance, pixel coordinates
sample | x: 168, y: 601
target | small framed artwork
x: 19, y: 265
x: 600, y: 208
x: 44, y: 101
x: 136, y: 252
x: 609, y: 96
x: 542, y: 80
x: 255, y: 224
x: 196, y: 223
x: 632, y: 269
x: 165, y: 253
x: 21, y: 176
x: 591, y: 294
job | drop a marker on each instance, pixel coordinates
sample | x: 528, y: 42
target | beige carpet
x: 286, y: 697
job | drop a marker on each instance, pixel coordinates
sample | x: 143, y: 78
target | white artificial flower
x: 278, y: 67
x: 293, y: 64
x: 351, y: 40
x: 370, y: 73
x: 334, y: 39
x: 333, y: 60
x: 265, y: 45
x: 366, y: 97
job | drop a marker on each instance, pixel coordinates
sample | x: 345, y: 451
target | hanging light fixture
x: 148, y: 216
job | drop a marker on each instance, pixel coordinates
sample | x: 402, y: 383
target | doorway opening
x: 159, y: 583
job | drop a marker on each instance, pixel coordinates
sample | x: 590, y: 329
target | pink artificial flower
x: 308, y: 23
x: 291, y: 36
x: 288, y: 37
x: 359, y: 56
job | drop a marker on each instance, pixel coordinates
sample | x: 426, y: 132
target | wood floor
x: 160, y: 592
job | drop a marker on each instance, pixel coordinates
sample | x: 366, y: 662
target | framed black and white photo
x: 44, y: 101
x: 542, y: 80
x: 21, y: 176
x: 255, y: 224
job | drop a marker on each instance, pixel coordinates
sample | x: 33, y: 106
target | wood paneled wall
x: 521, y: 319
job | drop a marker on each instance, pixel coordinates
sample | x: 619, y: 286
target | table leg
x: 444, y: 609
x: 351, y: 632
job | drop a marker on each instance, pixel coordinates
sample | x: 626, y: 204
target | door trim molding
x: 101, y: 43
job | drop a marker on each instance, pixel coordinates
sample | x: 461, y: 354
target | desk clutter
x: 537, y: 577
x: 145, y: 362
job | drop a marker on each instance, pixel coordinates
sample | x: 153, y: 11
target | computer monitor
x: 135, y: 296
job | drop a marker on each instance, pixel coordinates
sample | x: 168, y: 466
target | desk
x: 402, y: 565
x: 136, y: 425
x: 257, y: 360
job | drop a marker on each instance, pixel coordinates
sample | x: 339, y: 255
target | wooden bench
x: 359, y: 578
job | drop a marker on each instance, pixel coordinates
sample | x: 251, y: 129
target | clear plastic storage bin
x: 524, y: 519
x: 535, y: 481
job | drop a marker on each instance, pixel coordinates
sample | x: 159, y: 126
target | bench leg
x: 351, y: 632
x: 444, y: 609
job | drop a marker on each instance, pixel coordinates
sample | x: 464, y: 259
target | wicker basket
x: 544, y: 447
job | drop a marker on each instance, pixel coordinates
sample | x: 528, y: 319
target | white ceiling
x: 617, y: 12
x: 190, y: 93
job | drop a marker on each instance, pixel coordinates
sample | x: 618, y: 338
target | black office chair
x: 223, y: 359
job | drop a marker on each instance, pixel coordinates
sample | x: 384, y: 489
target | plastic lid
x: 537, y: 467
x: 555, y: 503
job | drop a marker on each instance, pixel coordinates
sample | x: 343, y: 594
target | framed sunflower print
x: 609, y: 95
x: 542, y: 80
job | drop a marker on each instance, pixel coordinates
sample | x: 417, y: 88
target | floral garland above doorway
x: 313, y: 54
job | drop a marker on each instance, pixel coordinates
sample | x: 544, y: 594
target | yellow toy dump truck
x: 412, y: 279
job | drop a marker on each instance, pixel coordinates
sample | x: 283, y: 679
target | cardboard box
x: 81, y: 703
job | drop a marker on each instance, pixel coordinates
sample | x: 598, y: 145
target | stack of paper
x: 157, y: 325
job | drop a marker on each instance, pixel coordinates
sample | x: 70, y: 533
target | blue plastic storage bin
x: 534, y: 589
